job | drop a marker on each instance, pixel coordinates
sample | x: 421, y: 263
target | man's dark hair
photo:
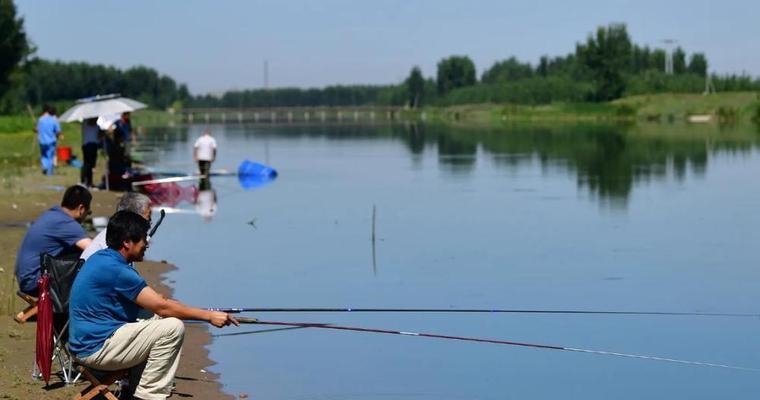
x: 125, y: 226
x: 47, y: 108
x: 75, y: 196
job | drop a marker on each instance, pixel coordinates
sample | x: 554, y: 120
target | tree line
x: 29, y: 80
x: 293, y: 97
x: 52, y: 81
x: 606, y: 66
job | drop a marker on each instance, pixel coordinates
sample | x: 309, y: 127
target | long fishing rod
x: 155, y: 227
x: 493, y: 341
x: 480, y: 310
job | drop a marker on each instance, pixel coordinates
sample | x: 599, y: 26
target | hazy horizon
x: 213, y: 47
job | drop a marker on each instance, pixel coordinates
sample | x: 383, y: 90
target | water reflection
x: 202, y: 199
x: 205, y: 201
x: 189, y: 199
x: 609, y: 161
x: 456, y: 155
x: 477, y: 218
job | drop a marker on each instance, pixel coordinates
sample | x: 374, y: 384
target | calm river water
x: 598, y: 218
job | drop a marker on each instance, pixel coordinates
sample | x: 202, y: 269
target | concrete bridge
x: 271, y: 115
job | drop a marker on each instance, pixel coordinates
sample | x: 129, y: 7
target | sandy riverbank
x: 24, y: 194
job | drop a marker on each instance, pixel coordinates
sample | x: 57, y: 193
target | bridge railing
x: 289, y: 114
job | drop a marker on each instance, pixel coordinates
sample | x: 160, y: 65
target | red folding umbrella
x: 44, y: 329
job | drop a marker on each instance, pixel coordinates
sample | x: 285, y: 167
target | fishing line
x: 494, y: 341
x: 289, y: 328
x: 483, y: 310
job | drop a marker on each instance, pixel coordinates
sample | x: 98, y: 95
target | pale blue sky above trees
x: 218, y: 45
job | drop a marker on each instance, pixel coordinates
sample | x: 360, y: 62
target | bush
x: 658, y: 82
x: 755, y: 112
x: 532, y: 91
x: 727, y: 114
x: 625, y: 110
x: 16, y: 123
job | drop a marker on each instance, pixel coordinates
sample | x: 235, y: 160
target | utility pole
x: 669, y: 45
x: 709, y: 87
x: 266, y: 74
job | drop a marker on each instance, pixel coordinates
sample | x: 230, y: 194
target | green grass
x: 510, y: 113
x: 14, y: 124
x: 730, y: 107
x: 677, y: 106
x: 18, y: 141
x: 152, y: 118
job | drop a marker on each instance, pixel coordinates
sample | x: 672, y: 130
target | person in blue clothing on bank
x: 106, y: 299
x: 48, y: 132
x: 57, y: 232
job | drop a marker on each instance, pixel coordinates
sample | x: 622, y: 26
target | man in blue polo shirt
x: 105, y: 299
x: 57, y: 232
x: 48, y: 131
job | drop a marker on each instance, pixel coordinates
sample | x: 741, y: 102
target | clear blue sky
x: 219, y: 45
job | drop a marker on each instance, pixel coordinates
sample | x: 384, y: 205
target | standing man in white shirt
x: 205, y: 152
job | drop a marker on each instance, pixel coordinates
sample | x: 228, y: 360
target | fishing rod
x: 155, y: 227
x: 480, y: 310
x: 493, y: 341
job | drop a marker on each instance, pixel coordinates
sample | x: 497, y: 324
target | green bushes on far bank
x: 526, y: 91
x: 16, y: 124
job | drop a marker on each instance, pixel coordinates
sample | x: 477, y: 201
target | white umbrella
x: 105, y: 121
x: 93, y: 107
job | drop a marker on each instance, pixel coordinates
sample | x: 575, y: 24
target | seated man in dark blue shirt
x: 57, y: 232
x: 105, y: 299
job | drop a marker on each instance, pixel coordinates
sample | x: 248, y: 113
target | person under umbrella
x: 91, y: 138
x: 106, y: 105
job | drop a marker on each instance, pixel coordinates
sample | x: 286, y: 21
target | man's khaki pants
x: 155, y: 342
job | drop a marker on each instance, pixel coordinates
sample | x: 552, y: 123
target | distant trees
x: 415, y: 87
x: 657, y: 61
x: 13, y: 44
x: 607, y: 56
x: 679, y: 61
x: 607, y: 65
x: 604, y: 67
x: 354, y: 95
x: 511, y: 70
x: 34, y: 81
x: 50, y: 81
x: 698, y: 64
x: 455, y: 72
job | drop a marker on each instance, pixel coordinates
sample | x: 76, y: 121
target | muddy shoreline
x: 193, y: 378
x: 23, y: 197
